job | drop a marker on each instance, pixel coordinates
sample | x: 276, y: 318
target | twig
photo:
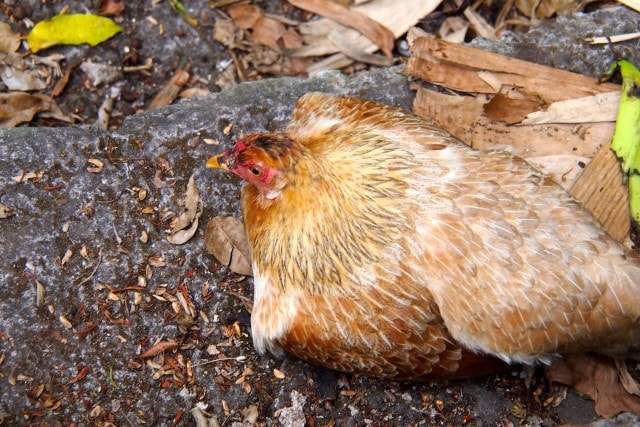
x: 238, y: 358
x: 612, y: 39
x: 85, y: 280
x: 127, y: 418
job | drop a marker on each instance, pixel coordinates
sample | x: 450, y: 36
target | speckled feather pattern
x: 395, y: 250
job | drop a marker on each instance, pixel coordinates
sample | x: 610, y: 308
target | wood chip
x: 159, y: 347
x: 97, y: 166
x: 65, y: 322
x: 602, y: 107
x: 67, y: 256
x: 40, y: 293
x: 171, y: 90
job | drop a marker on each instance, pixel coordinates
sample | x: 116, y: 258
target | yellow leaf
x: 71, y: 29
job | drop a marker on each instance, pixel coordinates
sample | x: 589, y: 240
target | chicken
x: 383, y: 245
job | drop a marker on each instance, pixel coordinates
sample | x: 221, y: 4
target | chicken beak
x: 221, y: 161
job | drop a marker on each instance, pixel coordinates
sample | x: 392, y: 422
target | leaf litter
x: 226, y: 240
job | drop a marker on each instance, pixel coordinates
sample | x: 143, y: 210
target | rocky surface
x: 83, y: 292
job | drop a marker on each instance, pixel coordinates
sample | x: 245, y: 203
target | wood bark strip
x: 601, y: 191
x: 462, y: 116
x: 457, y: 67
x: 560, y: 150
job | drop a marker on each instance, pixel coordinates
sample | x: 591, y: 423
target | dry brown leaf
x: 503, y: 108
x: 291, y: 39
x: 454, y: 29
x: 9, y: 41
x: 547, y: 8
x: 355, y: 53
x: 5, y: 211
x: 203, y: 419
x: 225, y: 32
x: 245, y: 15
x: 226, y: 240
x: 597, y: 377
x: 21, y: 107
x: 186, y: 224
x: 159, y: 347
x: 267, y: 32
x: 373, y: 30
x: 21, y: 75
x: 100, y: 73
x: 214, y: 4
x: 264, y: 29
x: 111, y: 7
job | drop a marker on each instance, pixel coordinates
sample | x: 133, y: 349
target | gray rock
x: 561, y: 43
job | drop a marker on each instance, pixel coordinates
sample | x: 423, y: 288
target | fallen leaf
x: 546, y: 8
x: 186, y: 224
x: 225, y: 31
x: 226, y: 240
x: 157, y: 348
x: 65, y: 322
x: 111, y: 7
x: 203, y: 419
x: 5, y: 211
x: 26, y: 176
x: 100, y: 73
x: 355, y: 53
x: 21, y: 107
x: 97, y: 166
x: 245, y: 16
x: 9, y: 41
x: 19, y: 75
x: 250, y: 414
x: 267, y: 31
x: 597, y: 377
x: 502, y: 108
x: 71, y: 29
x: 373, y: 30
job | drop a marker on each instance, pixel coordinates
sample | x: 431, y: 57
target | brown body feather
x: 383, y: 245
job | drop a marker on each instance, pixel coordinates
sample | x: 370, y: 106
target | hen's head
x: 259, y: 159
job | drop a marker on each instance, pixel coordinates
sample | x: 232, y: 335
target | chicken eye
x: 256, y: 171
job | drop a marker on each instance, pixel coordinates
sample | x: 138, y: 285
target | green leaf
x: 71, y: 29
x: 626, y: 138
